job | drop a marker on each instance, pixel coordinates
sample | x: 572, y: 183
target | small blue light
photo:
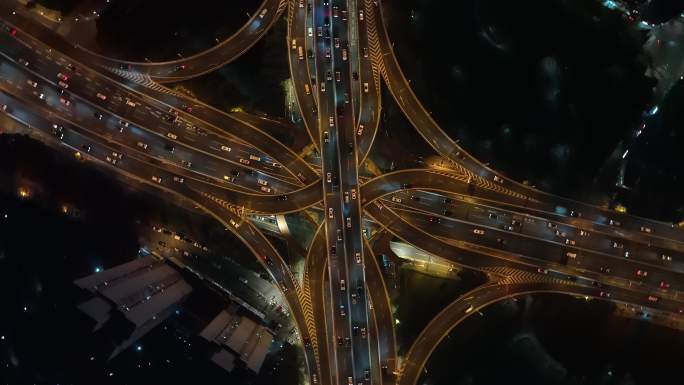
x: 654, y: 110
x: 177, y: 311
x: 98, y: 269
x: 138, y: 348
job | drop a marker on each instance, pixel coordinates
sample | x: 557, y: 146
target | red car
x: 664, y: 285
x: 642, y: 273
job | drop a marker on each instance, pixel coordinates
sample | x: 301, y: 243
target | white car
x: 328, y: 177
x: 265, y: 189
x: 142, y: 145
x: 101, y: 96
x: 331, y: 121
x: 157, y: 179
x: 172, y: 135
x: 360, y: 130
x: 32, y: 83
x: 353, y: 193
x: 225, y: 148
x: 348, y: 223
x: 331, y: 212
x: 178, y: 179
x: 497, y: 179
x: 478, y: 231
x: 396, y: 199
x: 244, y: 161
x: 365, y: 87
x: 310, y: 31
x: 62, y: 84
x: 263, y: 13
x: 357, y: 255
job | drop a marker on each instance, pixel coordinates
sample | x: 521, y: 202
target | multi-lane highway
x: 227, y: 164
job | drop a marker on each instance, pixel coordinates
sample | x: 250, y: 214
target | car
x: 333, y: 250
x: 282, y: 286
x: 86, y: 147
x: 344, y: 54
x: 570, y: 254
x: 360, y: 130
x: 328, y: 177
x: 132, y: 104
x: 319, y: 31
x: 331, y: 121
x: 355, y: 76
x: 346, y: 197
x: 338, y: 76
x: 101, y: 96
x: 326, y: 137
x: 605, y: 294
x: 664, y: 285
x: 157, y: 179
x: 396, y: 199
x: 363, y: 332
x: 340, y: 340
x: 186, y: 163
x: 70, y: 67
x: 64, y: 101
x: 348, y: 222
x: 228, y: 178
x: 365, y: 51
x: 327, y: 53
x: 626, y: 254
x: 178, y: 179
x: 337, y: 42
x: 542, y: 270
x: 357, y: 256
x: 142, y: 145
x: 343, y: 311
x: 331, y: 212
x: 265, y: 189
x: 642, y: 273
x: 328, y: 75
x: 310, y: 31
x: 111, y: 160
x: 4, y: 107
x: 62, y: 77
x: 478, y: 231
x: 244, y: 161
x: 653, y: 298
x: 97, y: 115
x: 361, y: 15
x: 32, y: 83
x: 169, y: 147
x: 346, y: 98
x: 365, y: 87
x: 584, y: 233
x: 498, y: 179
x: 617, y: 245
x: 23, y: 62
x: 353, y: 193
x: 263, y: 13
x: 343, y: 286
x: 615, y: 223
x: 42, y: 96
x: 665, y: 257
x: 225, y: 148
x: 62, y: 84
x: 172, y: 135
x: 350, y: 380
x: 605, y: 269
x: 180, y: 67
x: 123, y: 123
x: 268, y: 261
x: 569, y: 241
x: 646, y: 229
x: 434, y: 219
x: 322, y: 88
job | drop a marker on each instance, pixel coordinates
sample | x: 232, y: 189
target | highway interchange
x: 117, y: 115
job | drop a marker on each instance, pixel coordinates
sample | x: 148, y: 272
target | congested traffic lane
x: 126, y: 109
x: 32, y: 88
x: 206, y: 117
x: 152, y: 159
x: 547, y: 254
x: 331, y: 170
x: 573, y: 238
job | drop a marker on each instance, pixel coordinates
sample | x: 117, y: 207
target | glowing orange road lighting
x: 24, y: 193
